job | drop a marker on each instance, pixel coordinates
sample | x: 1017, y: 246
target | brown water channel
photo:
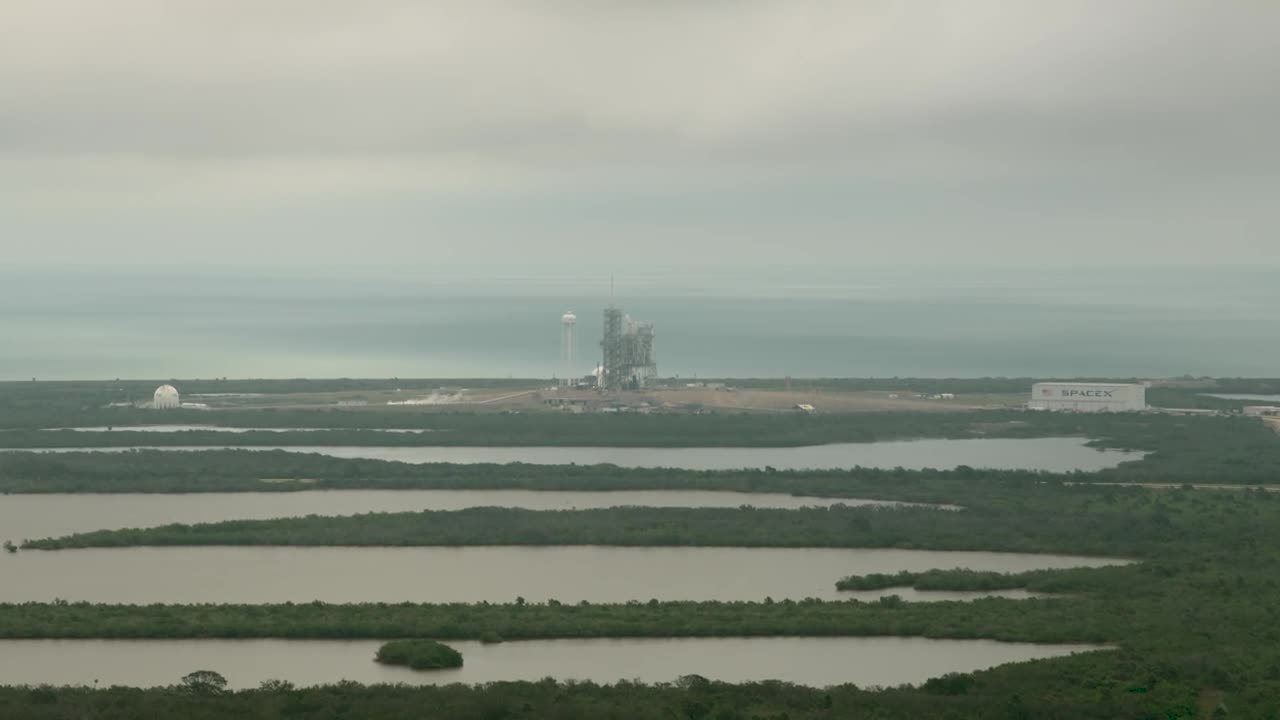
x: 1052, y: 454
x: 474, y: 574
x: 883, y: 661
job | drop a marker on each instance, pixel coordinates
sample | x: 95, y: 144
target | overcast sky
x: 849, y: 132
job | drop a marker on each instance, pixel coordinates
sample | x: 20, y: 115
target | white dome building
x: 166, y: 398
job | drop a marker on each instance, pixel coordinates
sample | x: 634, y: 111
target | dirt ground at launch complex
x: 541, y: 397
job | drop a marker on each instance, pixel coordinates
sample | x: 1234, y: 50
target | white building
x: 166, y: 398
x: 1088, y: 397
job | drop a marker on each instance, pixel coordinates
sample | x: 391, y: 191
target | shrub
x: 419, y: 654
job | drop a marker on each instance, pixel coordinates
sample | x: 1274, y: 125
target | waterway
x: 1050, y: 454
x: 30, y: 517
x: 474, y: 574
x: 865, y: 661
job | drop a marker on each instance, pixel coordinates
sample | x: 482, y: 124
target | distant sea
x: 931, y: 322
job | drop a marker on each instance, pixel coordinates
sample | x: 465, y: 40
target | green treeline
x: 1052, y: 620
x: 837, y: 526
x: 1066, y: 580
x: 1083, y: 519
x: 419, y: 654
x: 1082, y: 687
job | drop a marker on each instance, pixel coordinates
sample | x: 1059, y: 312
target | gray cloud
x: 838, y: 132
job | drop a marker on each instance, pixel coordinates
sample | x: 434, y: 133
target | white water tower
x: 568, y: 346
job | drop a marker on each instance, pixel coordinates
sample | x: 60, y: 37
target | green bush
x: 419, y: 654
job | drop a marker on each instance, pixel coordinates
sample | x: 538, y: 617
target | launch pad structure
x: 628, y: 362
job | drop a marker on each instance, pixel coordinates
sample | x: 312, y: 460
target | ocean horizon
x: 169, y: 322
